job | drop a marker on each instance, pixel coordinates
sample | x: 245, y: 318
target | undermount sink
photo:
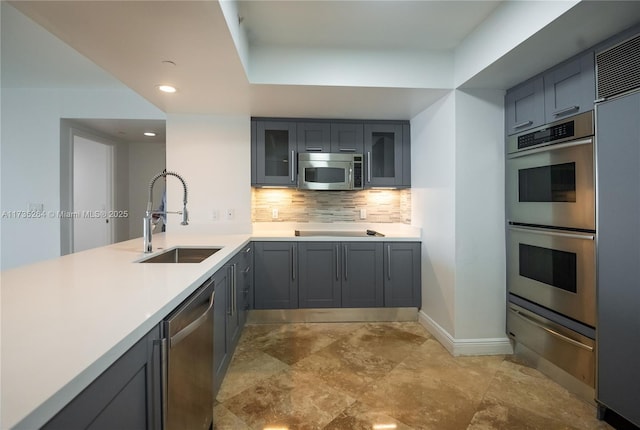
x: 339, y: 233
x: 182, y: 254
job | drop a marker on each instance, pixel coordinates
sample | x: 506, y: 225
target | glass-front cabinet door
x: 383, y: 155
x: 275, y: 153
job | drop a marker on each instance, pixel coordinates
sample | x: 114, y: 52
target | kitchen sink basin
x: 338, y: 233
x: 182, y: 254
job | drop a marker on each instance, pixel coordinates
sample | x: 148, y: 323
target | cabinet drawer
x: 565, y: 348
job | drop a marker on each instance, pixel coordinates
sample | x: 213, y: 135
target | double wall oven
x: 551, y: 256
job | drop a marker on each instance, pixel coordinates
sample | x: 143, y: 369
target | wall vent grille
x: 618, y: 68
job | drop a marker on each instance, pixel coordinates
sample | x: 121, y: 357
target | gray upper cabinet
x: 314, y: 136
x: 126, y: 396
x: 347, y: 137
x: 524, y: 106
x: 276, y: 143
x: 384, y: 153
x: 275, y: 275
x: 274, y: 151
x: 320, y: 275
x: 618, y: 155
x: 402, y: 274
x: 570, y: 88
x: 362, y: 275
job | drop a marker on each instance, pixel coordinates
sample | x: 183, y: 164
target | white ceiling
x: 126, y: 42
x: 126, y: 130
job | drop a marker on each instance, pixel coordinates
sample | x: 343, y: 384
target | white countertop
x: 64, y: 321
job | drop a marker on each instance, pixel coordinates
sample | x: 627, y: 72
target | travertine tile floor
x: 383, y: 376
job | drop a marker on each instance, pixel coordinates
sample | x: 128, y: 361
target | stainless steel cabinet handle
x: 248, y: 250
x: 368, y: 166
x: 337, y: 263
x: 552, y: 332
x: 178, y: 337
x: 389, y: 262
x: 347, y: 150
x: 293, y: 162
x: 565, y: 110
x: 164, y: 369
x: 234, y: 273
x: 522, y: 124
x: 346, y: 263
x: 314, y: 149
x: 553, y: 233
x: 293, y: 263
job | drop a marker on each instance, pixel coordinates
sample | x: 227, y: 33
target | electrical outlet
x: 274, y: 213
x: 230, y: 214
x: 363, y: 213
x: 215, y: 215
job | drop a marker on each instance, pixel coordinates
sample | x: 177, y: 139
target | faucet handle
x: 185, y: 216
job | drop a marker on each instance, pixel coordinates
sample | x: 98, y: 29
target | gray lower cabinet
x: 232, y: 283
x: 362, y: 282
x: 126, y: 396
x: 402, y: 283
x: 291, y: 275
x: 320, y: 275
x: 221, y: 338
x: 275, y: 275
x: 618, y: 157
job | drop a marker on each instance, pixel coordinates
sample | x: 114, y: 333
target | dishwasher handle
x: 178, y: 337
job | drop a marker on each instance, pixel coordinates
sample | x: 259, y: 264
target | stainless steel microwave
x: 330, y: 171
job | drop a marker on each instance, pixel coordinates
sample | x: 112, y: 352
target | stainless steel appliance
x: 329, y: 171
x: 551, y: 255
x: 188, y: 363
x: 550, y: 175
x: 554, y: 269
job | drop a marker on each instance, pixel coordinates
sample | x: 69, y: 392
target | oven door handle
x: 552, y: 332
x: 553, y: 147
x: 554, y: 233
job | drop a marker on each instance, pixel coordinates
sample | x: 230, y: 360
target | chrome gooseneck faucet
x: 146, y: 231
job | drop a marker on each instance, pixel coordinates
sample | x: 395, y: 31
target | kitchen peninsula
x: 66, y: 320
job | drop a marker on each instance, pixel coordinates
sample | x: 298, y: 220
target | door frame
x: 68, y: 131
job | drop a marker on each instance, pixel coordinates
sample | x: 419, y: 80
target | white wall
x: 358, y: 68
x: 213, y: 154
x: 433, y: 189
x: 30, y: 157
x: 458, y: 200
x: 480, y: 242
x: 146, y: 159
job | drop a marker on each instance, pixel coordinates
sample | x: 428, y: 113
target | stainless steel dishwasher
x: 188, y: 363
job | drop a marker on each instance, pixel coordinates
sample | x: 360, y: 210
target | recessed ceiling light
x: 167, y: 88
x: 149, y: 134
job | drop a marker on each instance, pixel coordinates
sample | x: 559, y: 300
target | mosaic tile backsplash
x: 381, y: 206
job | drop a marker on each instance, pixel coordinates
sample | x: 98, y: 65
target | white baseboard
x: 456, y: 347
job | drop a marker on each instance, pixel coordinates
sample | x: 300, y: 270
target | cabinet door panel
x: 275, y: 153
x: 618, y: 155
x: 347, y: 137
x: 221, y: 339
x: 570, y: 88
x: 524, y: 106
x: 362, y: 275
x: 383, y: 154
x: 402, y: 284
x: 122, y: 397
x: 275, y: 276
x: 314, y: 137
x: 319, y: 285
